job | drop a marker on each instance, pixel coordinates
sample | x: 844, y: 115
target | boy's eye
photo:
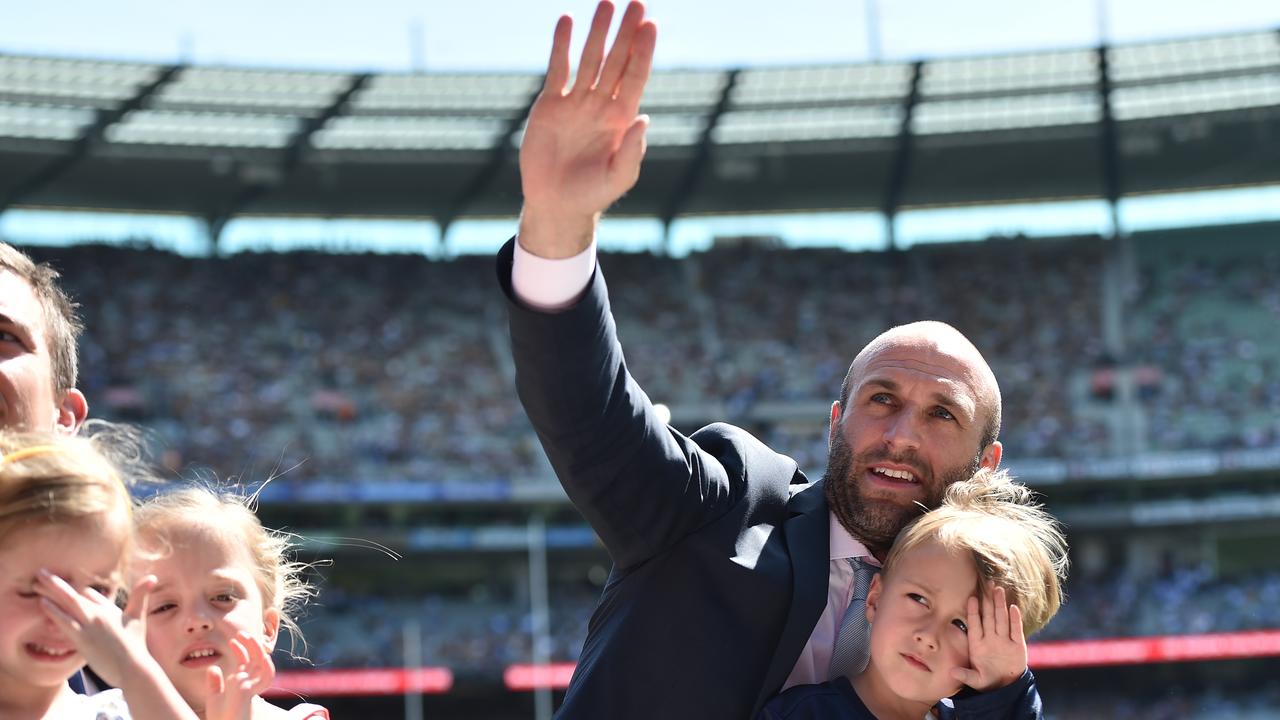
x: 28, y: 594
x: 103, y: 590
x: 919, y: 599
x: 961, y: 624
x: 224, y: 597
x: 162, y: 607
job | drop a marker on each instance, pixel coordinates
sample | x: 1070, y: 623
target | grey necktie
x: 849, y: 657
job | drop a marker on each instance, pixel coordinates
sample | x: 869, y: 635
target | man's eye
x: 882, y: 398
x: 943, y: 413
x: 6, y: 336
x: 961, y: 624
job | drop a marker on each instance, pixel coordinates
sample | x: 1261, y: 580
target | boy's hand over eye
x: 997, y: 648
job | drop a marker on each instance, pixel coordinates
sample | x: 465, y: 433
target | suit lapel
x: 808, y: 535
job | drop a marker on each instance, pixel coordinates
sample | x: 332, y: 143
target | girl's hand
x: 231, y: 697
x: 997, y: 647
x: 112, y: 640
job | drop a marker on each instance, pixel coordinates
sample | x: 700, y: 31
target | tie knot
x: 863, y: 571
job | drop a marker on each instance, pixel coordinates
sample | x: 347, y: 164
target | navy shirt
x: 836, y: 700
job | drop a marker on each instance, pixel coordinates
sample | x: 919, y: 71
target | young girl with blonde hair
x: 225, y: 586
x: 65, y: 531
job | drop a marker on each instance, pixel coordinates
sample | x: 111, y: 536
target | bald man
x: 733, y: 575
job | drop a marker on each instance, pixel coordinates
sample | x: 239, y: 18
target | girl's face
x: 33, y: 651
x: 206, y: 592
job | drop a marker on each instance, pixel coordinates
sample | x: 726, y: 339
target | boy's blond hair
x: 1013, y: 541
x: 51, y: 478
x: 279, y: 576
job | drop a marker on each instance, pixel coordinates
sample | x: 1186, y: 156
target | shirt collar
x: 845, y: 545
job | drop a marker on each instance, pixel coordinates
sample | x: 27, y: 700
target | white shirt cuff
x: 550, y: 285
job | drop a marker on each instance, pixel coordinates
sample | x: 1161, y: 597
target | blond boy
x: 960, y: 591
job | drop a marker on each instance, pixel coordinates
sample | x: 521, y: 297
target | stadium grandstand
x: 1140, y: 368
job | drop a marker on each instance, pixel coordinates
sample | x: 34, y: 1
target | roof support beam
x: 292, y: 158
x: 480, y: 182
x: 1112, y: 178
x: 696, y: 169
x: 901, y: 166
x: 84, y: 144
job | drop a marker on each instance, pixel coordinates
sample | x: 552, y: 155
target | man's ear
x: 835, y: 423
x: 991, y: 455
x: 873, y: 596
x: 270, y: 627
x: 72, y: 411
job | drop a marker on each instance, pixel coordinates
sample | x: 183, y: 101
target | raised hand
x: 997, y: 647
x: 583, y: 144
x: 232, y: 697
x: 113, y: 641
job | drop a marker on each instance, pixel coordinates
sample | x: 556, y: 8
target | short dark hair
x: 62, y: 324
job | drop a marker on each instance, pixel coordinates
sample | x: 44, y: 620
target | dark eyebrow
x: 892, y: 386
x: 885, y: 383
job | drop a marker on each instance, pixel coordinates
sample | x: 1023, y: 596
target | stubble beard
x: 874, y: 521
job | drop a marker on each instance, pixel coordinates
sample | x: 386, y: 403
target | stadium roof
x: 220, y: 142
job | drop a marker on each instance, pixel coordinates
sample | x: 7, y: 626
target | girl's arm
x: 114, y: 642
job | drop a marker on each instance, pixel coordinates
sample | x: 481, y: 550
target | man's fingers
x: 621, y: 50
x: 625, y: 169
x: 638, y: 66
x: 558, y: 65
x: 593, y: 51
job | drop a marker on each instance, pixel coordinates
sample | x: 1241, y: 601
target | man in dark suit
x: 732, y: 576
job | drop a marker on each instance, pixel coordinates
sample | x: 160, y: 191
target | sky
x: 514, y: 35
x: 397, y: 35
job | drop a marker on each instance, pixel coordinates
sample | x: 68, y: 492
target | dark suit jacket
x: 720, y: 545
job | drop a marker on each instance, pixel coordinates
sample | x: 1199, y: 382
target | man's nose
x: 903, y: 431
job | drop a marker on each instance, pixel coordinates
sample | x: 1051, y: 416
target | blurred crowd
x: 367, y: 368
x: 486, y: 635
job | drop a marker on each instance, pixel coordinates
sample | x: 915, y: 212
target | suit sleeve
x: 640, y: 484
x: 1017, y: 701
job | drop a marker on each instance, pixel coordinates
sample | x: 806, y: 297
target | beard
x: 876, y: 521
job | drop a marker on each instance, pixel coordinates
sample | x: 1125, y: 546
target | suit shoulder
x: 744, y: 456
